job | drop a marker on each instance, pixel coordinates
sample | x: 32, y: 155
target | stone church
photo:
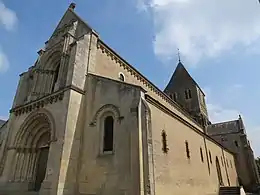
x: 86, y: 122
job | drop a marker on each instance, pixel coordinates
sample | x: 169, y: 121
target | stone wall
x: 198, y: 178
x: 116, y: 172
x: 174, y: 171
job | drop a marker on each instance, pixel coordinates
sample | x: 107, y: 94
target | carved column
x: 14, y: 167
x: 25, y: 165
x: 32, y: 165
x: 45, y: 87
x: 19, y: 166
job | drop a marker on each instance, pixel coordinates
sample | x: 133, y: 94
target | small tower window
x: 210, y: 159
x: 201, y: 155
x: 236, y: 143
x: 175, y: 96
x: 164, y: 142
x: 55, y: 78
x: 188, y: 94
x: 108, y: 134
x: 121, y: 77
x: 187, y: 149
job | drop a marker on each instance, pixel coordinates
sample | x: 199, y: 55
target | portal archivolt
x: 32, y: 148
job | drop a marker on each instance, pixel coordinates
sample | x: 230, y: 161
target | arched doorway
x: 220, y: 179
x: 32, y: 150
x: 42, y: 159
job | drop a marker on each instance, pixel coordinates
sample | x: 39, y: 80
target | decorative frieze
x: 50, y: 99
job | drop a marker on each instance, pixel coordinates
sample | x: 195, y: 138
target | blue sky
x: 221, y: 51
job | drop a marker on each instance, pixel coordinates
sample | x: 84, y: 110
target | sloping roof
x: 68, y: 16
x: 181, y: 67
x: 2, y: 122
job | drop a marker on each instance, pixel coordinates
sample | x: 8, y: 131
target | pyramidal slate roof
x: 181, y: 67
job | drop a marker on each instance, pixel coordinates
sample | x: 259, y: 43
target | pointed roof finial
x: 72, y: 6
x: 179, y: 56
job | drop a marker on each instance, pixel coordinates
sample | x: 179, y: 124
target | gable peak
x: 72, y: 6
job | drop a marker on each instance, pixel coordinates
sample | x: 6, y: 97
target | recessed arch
x: 36, y: 120
x: 53, y: 59
x: 106, y: 109
x: 32, y: 144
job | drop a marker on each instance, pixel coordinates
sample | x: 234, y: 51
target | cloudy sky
x: 219, y: 42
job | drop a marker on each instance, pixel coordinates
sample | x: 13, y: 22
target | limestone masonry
x: 85, y: 122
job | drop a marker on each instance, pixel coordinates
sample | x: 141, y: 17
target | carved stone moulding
x: 38, y: 104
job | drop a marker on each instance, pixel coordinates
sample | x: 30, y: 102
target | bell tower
x: 183, y: 89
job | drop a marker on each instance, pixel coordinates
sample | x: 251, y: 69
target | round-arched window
x: 121, y: 77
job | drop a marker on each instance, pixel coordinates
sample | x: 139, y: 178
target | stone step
x: 17, y: 193
x: 229, y: 190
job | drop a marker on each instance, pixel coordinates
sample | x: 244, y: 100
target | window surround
x: 210, y: 158
x: 121, y: 76
x: 187, y: 149
x: 101, y: 125
x: 164, y: 142
x: 201, y: 155
x: 188, y: 94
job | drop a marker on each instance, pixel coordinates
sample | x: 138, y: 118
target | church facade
x: 86, y: 122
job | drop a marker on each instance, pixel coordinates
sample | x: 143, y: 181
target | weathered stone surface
x: 88, y: 89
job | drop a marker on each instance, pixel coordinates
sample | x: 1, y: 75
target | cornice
x: 39, y: 103
x: 122, y: 63
x: 169, y: 112
x: 43, y: 101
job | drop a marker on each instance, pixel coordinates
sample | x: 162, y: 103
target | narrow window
x: 55, y: 78
x: 164, y: 142
x: 236, y: 143
x: 175, y: 97
x: 201, y: 155
x: 227, y: 163
x: 231, y: 164
x: 222, y: 161
x: 187, y: 149
x: 188, y: 94
x: 108, y: 134
x: 121, y: 77
x: 210, y: 159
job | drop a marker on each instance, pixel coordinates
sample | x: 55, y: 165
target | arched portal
x: 32, y: 150
x: 220, y: 179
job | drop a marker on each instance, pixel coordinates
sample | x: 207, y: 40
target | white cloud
x: 203, y: 28
x: 216, y: 112
x: 7, y: 17
x: 220, y: 114
x: 4, y: 63
x: 3, y: 118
